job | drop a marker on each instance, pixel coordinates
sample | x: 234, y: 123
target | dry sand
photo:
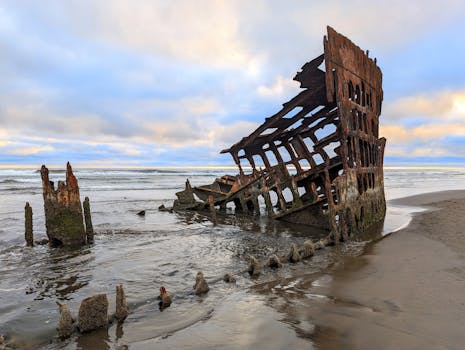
x: 408, y: 290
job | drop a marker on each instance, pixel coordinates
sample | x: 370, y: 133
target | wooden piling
x: 28, y: 234
x: 88, y: 221
x: 212, y: 210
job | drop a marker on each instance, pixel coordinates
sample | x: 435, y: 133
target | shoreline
x: 406, y: 290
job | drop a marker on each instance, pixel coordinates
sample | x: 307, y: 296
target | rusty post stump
x: 28, y: 234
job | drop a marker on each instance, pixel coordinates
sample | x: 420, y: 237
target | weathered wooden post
x: 93, y: 313
x: 121, y: 304
x: 88, y: 221
x: 28, y: 234
x: 63, y: 210
x: 211, y: 203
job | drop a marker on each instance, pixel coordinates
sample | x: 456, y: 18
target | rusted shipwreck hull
x: 321, y: 154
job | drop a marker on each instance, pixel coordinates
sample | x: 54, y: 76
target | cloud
x: 227, y: 134
x: 202, y: 31
x: 444, y: 105
x: 399, y: 133
x: 425, y: 126
x: 279, y: 89
x: 30, y: 150
x: 155, y: 81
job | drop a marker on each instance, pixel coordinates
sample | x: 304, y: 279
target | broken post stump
x: 93, y: 313
x: 121, y: 304
x: 28, y: 234
x: 165, y: 299
x: 254, y: 266
x: 88, y: 221
x: 65, y: 324
x: 307, y: 250
x: 211, y: 203
x: 201, y: 285
x: 63, y: 210
x: 294, y: 255
x: 273, y: 262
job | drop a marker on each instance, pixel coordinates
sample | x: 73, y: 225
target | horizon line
x: 213, y: 167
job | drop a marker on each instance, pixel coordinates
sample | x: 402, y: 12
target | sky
x: 172, y: 83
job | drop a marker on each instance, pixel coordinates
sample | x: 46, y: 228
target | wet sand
x: 407, y: 291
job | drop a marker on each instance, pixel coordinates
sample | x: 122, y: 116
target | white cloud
x: 281, y: 87
x: 200, y: 31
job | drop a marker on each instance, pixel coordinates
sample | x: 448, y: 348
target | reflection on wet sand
x: 144, y: 260
x: 65, y: 271
x: 297, y: 298
x: 98, y: 339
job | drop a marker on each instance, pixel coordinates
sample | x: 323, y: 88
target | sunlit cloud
x: 399, y: 133
x: 444, y: 105
x: 29, y: 150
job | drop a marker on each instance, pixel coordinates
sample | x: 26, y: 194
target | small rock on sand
x: 228, y: 278
x: 43, y: 241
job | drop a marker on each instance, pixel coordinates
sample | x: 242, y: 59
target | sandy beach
x: 407, y: 290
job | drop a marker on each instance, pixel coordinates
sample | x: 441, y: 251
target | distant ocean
x: 146, y: 252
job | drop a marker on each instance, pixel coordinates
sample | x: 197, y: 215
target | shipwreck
x: 321, y: 153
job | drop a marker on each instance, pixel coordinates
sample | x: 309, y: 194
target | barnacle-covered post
x: 63, y: 210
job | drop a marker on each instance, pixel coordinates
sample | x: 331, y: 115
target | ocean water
x: 168, y: 249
